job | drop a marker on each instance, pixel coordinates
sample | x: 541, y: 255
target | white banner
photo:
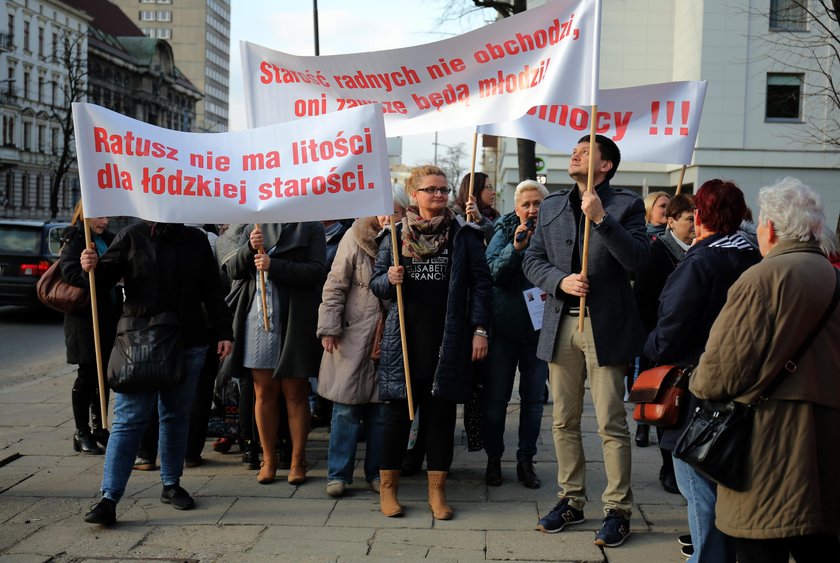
x: 495, y: 73
x: 654, y: 123
x: 320, y: 168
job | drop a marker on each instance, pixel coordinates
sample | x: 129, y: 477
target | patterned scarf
x: 424, y: 237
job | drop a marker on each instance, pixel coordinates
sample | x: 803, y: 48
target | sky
x: 347, y: 27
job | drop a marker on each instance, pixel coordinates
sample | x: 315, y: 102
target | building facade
x: 762, y: 114
x: 35, y: 81
x: 199, y: 32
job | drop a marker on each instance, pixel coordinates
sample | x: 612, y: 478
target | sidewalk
x: 45, y: 488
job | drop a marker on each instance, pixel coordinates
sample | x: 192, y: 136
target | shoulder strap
x: 790, y: 366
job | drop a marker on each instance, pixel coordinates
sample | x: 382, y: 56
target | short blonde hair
x: 420, y: 172
x: 650, y: 200
x: 527, y: 186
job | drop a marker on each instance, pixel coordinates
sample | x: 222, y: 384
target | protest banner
x: 652, y: 123
x: 495, y: 73
x: 327, y: 167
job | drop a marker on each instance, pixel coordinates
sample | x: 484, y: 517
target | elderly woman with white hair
x: 791, y: 502
x: 514, y: 341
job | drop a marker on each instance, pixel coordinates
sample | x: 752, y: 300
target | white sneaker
x: 335, y: 488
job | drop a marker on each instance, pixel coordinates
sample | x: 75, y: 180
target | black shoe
x: 177, y: 497
x: 615, y: 528
x: 104, y: 512
x: 143, y: 464
x: 562, y: 515
x: 687, y: 551
x: 684, y: 539
x: 643, y: 435
x: 193, y: 461
x: 251, y: 455
x: 669, y: 482
x: 493, y: 473
x: 101, y: 435
x: 525, y: 472
x: 83, y: 442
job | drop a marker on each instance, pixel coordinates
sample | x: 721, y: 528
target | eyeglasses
x: 433, y: 191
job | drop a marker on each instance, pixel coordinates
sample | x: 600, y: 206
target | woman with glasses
x: 447, y: 307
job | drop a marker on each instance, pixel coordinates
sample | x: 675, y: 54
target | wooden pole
x: 261, y: 250
x: 395, y: 252
x: 680, y: 181
x: 584, y: 259
x: 97, y: 344
x: 472, y: 168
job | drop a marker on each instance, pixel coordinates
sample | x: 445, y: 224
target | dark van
x: 27, y: 249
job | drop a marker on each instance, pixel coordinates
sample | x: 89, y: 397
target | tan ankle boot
x: 389, y: 484
x: 437, y: 495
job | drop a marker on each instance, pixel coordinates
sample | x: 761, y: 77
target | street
x: 32, y: 344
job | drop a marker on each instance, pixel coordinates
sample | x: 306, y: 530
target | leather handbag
x: 659, y: 394
x: 147, y: 354
x: 717, y: 440
x: 57, y: 294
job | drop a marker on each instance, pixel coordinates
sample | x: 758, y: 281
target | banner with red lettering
x: 328, y: 167
x: 653, y: 123
x: 495, y: 73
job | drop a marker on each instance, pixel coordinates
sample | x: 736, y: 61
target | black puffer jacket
x: 78, y: 326
x: 468, y: 305
x: 168, y: 267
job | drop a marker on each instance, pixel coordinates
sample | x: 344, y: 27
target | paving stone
x: 277, y: 512
x: 366, y: 514
x: 297, y: 541
x: 468, y: 540
x: 535, y: 546
x: 198, y: 542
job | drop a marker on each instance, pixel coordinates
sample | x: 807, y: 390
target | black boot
x: 104, y: 512
x: 525, y: 472
x: 100, y: 434
x: 83, y: 442
x: 642, y: 435
x: 493, y: 473
x: 251, y: 457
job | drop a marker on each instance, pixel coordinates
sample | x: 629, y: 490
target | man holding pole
x: 612, y: 332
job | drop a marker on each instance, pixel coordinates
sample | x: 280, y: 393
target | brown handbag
x: 659, y: 394
x: 57, y: 294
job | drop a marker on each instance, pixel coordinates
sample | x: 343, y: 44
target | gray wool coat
x: 617, y: 247
x: 298, y: 268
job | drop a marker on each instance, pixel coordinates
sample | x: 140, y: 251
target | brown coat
x: 349, y: 311
x: 794, y: 459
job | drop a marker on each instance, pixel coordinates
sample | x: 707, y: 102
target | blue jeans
x: 710, y: 544
x: 344, y: 435
x: 131, y: 414
x: 501, y: 363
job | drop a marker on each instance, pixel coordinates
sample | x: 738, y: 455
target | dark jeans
x: 437, y: 423
x: 813, y: 548
x: 505, y: 354
x: 202, y: 404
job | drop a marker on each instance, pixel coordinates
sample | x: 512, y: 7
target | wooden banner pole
x: 680, y: 181
x: 395, y: 251
x: 97, y: 343
x: 261, y: 250
x: 584, y: 259
x: 472, y: 169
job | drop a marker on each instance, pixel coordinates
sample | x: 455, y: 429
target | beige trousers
x: 573, y: 360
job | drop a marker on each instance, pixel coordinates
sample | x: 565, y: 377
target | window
x: 39, y: 192
x: 788, y: 15
x: 25, y: 35
x: 42, y: 139
x: 40, y: 42
x: 25, y: 85
x: 40, y: 88
x: 8, y: 131
x: 164, y: 16
x: 54, y: 140
x: 147, y: 16
x: 54, y: 91
x: 12, y: 26
x: 784, y: 97
x: 55, y: 45
x: 164, y: 33
x: 147, y: 1
x: 27, y: 136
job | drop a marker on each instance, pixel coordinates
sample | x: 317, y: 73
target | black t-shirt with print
x: 425, y: 289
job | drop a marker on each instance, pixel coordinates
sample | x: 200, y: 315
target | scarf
x: 424, y: 237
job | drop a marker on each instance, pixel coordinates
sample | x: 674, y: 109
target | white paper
x: 535, y: 301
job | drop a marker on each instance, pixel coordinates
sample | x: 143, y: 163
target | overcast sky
x: 346, y: 27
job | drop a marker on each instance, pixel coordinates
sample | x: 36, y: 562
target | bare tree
x: 805, y: 38
x: 455, y: 9
x: 71, y: 56
x: 451, y: 163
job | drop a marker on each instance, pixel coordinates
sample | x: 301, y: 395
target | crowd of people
x: 683, y: 280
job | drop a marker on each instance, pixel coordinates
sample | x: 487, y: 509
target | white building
x: 758, y: 119
x: 31, y: 84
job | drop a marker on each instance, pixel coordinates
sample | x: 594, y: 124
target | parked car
x: 27, y: 249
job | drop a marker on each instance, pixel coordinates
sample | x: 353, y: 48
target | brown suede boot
x: 389, y: 484
x: 437, y: 495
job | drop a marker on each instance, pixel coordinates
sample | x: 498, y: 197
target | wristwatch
x: 481, y: 332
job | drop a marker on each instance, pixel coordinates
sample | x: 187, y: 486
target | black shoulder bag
x: 717, y: 440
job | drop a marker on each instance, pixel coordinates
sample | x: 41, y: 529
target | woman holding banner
x: 78, y: 332
x: 283, y: 354
x: 447, y: 299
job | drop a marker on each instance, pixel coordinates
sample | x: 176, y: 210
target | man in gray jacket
x: 612, y: 333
